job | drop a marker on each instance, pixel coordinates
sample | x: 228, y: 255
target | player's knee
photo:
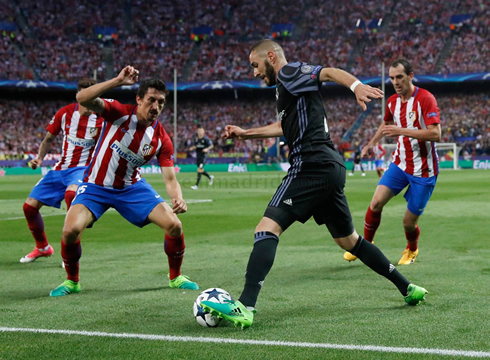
x: 376, y: 205
x: 174, y: 228
x: 409, y: 225
x: 71, y: 232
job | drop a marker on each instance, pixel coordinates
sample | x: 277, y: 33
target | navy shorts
x: 318, y: 191
x: 50, y: 190
x: 419, y: 190
x: 134, y: 203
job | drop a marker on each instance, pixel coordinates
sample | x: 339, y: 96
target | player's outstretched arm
x: 375, y: 140
x: 43, y: 150
x: 173, y: 189
x: 89, y: 97
x: 235, y: 132
x: 364, y: 93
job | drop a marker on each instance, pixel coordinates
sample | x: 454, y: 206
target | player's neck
x: 84, y: 111
x: 409, y: 93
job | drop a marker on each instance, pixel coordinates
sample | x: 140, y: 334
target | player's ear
x: 271, y: 57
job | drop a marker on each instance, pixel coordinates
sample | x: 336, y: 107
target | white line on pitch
x: 387, y: 349
x: 190, y: 201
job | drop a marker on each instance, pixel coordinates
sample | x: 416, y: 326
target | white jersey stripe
x: 414, y: 143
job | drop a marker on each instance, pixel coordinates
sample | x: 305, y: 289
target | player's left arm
x: 432, y: 133
x: 173, y: 189
x: 210, y: 146
x: 364, y: 93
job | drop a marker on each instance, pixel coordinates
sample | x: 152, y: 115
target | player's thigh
x: 78, y: 218
x: 419, y: 194
x: 163, y: 216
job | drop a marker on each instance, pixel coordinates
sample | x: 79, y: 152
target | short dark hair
x: 406, y: 65
x: 154, y: 83
x: 85, y: 83
x: 200, y: 126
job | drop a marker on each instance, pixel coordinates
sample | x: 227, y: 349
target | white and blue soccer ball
x: 203, y: 317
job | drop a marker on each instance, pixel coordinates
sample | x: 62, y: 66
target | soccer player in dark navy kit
x: 314, y: 184
x: 357, y: 159
x: 202, y: 144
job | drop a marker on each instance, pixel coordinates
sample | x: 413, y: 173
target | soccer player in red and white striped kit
x: 412, y: 115
x: 80, y: 128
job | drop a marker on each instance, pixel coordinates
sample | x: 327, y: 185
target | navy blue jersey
x: 201, y: 144
x: 302, y: 115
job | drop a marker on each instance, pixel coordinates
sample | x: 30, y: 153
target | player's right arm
x: 90, y: 97
x: 375, y: 140
x: 235, y: 132
x: 43, y: 150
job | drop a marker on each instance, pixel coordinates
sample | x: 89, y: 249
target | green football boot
x: 67, y: 288
x: 182, y: 282
x: 233, y: 311
x: 415, y: 295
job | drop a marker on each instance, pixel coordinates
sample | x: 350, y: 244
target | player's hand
x: 179, y: 206
x: 128, y: 76
x: 204, y: 150
x: 34, y: 164
x: 364, y: 93
x: 392, y: 130
x: 366, y: 150
x: 233, y: 132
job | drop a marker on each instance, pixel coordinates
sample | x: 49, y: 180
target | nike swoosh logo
x: 157, y: 196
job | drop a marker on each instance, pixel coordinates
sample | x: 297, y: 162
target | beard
x: 270, y: 74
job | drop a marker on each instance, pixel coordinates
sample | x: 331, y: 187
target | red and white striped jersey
x: 80, y: 134
x: 415, y: 157
x: 125, y: 145
x: 378, y: 152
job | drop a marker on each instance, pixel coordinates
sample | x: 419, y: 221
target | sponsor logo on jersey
x: 127, y: 154
x: 147, y: 149
x: 432, y: 114
x: 281, y: 115
x: 52, y: 121
x: 86, y: 143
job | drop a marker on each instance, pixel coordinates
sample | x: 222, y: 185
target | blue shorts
x: 417, y: 194
x: 50, y: 190
x: 134, y: 203
x: 378, y: 163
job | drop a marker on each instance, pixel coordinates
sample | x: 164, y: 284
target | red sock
x: 71, y: 254
x: 371, y: 224
x: 413, y: 239
x: 379, y: 172
x: 36, y: 225
x: 69, y: 196
x: 174, y: 248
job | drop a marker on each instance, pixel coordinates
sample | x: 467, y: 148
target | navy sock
x: 259, y: 265
x: 370, y: 255
x: 198, y: 178
x: 206, y: 174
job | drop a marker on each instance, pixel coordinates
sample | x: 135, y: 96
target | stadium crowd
x: 355, y: 35
x: 465, y: 120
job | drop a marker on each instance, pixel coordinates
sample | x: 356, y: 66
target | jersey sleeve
x: 430, y: 110
x: 166, y: 155
x: 298, y: 78
x: 54, y: 126
x: 114, y: 110
x: 208, y: 142
x: 388, y: 114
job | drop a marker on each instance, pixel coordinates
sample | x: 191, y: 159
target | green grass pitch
x: 311, y: 295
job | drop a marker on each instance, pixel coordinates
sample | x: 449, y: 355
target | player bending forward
x: 314, y: 184
x: 131, y: 136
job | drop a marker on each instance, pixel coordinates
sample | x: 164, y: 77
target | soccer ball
x: 203, y: 317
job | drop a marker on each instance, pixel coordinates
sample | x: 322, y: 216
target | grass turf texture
x: 311, y: 294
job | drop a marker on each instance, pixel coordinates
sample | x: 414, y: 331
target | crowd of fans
x: 465, y: 120
x: 60, y: 42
